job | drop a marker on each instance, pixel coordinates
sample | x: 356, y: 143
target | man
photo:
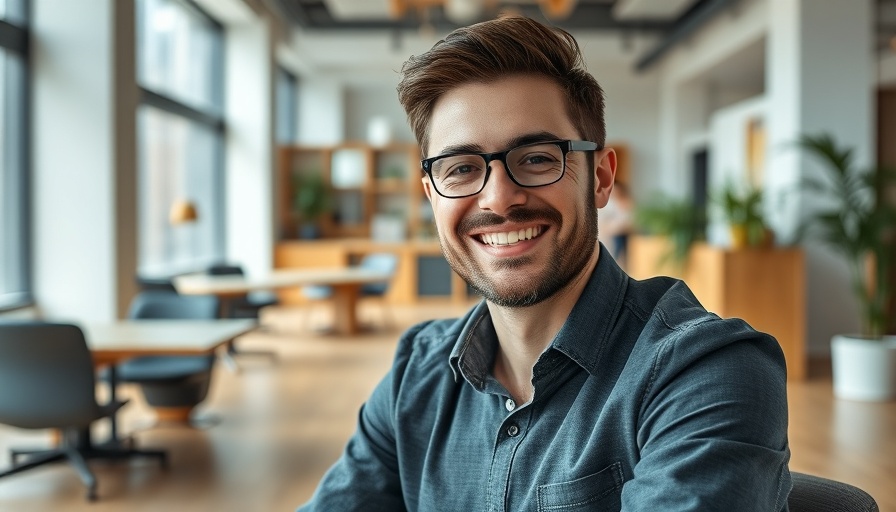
x: 571, y: 386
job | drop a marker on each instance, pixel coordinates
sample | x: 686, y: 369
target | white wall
x: 249, y: 114
x: 363, y: 103
x: 83, y: 157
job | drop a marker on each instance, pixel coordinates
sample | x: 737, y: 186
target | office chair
x: 47, y: 382
x: 172, y: 385
x: 816, y: 494
x: 381, y: 262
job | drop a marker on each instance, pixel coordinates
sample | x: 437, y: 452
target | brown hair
x: 491, y: 50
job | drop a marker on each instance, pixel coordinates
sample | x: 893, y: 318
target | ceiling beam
x: 686, y: 26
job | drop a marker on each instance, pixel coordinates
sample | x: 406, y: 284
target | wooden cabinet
x: 375, y: 192
x: 764, y: 287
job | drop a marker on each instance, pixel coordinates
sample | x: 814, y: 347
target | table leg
x: 113, y: 422
x: 345, y: 305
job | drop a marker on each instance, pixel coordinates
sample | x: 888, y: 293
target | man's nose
x: 500, y: 192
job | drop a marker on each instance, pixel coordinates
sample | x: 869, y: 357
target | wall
x: 249, y: 71
x: 84, y: 99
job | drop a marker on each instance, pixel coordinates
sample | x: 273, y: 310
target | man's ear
x: 427, y: 188
x: 604, y: 174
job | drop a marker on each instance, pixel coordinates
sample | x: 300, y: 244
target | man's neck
x: 525, y: 333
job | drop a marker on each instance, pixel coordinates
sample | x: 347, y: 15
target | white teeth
x: 510, y: 237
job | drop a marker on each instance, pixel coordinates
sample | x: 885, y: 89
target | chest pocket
x: 599, y: 491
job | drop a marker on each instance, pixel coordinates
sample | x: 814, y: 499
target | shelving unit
x: 376, y: 191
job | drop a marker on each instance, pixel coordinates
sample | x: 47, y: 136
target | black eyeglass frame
x: 565, y: 147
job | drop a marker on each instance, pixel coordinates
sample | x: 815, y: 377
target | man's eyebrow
x: 520, y: 140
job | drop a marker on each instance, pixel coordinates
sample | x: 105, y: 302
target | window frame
x: 14, y: 39
x: 211, y: 118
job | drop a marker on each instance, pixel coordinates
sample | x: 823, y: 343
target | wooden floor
x: 280, y: 426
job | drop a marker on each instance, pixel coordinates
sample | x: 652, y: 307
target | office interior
x: 119, y: 114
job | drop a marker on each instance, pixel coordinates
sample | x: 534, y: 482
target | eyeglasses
x: 529, y: 165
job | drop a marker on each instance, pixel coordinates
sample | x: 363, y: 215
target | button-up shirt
x: 643, y: 401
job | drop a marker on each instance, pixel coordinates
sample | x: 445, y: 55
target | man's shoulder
x: 679, y: 327
x: 432, y: 340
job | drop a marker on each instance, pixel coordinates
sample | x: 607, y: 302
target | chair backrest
x: 46, y: 376
x: 225, y: 270
x: 381, y: 262
x: 169, y: 305
x: 816, y: 494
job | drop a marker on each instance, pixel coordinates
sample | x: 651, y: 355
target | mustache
x: 521, y: 215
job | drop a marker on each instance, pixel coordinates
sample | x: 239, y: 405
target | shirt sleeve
x: 366, y: 476
x: 713, y: 428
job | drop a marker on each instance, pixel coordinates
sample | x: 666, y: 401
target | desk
x: 113, y: 342
x: 346, y: 283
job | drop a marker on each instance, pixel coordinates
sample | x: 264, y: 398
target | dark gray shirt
x: 643, y: 401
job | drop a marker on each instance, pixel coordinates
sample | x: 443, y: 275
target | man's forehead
x: 491, y: 115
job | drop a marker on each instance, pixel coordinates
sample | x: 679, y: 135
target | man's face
x: 558, y: 222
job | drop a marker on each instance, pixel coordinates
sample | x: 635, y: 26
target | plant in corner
x: 857, y: 221
x: 311, y: 202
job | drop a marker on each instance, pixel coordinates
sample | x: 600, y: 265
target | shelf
x: 365, y: 182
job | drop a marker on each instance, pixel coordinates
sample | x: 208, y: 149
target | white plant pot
x: 864, y: 369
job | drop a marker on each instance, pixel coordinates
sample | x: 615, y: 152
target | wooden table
x: 111, y: 343
x: 346, y: 283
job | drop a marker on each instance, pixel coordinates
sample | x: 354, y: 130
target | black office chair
x: 47, y: 382
x: 816, y: 494
x: 172, y: 385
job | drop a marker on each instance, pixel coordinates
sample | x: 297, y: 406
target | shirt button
x: 510, y: 404
x: 513, y: 430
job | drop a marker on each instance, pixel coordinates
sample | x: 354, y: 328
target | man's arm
x: 713, y: 429
x: 366, y: 477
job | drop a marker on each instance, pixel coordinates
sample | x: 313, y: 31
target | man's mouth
x: 509, y: 237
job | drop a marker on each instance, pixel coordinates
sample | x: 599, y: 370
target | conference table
x: 346, y: 283
x: 113, y: 342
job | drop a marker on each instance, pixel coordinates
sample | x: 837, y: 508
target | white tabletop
x: 147, y: 337
x: 200, y: 284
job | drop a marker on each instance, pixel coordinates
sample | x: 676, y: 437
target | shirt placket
x: 510, y: 435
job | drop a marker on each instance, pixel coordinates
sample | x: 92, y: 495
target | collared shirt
x: 643, y: 401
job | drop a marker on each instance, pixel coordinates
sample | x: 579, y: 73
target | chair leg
x: 80, y: 464
x: 36, y: 459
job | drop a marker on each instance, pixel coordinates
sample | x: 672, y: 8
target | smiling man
x: 570, y: 386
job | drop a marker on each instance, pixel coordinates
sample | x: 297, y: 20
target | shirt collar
x: 582, y: 338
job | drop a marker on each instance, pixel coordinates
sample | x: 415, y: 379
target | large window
x: 286, y: 107
x: 180, y: 135
x: 15, y: 282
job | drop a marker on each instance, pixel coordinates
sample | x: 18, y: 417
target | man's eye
x: 462, y: 169
x: 537, y: 159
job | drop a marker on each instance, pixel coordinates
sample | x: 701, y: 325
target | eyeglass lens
x: 531, y: 166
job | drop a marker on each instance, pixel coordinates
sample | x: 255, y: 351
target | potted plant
x: 857, y: 222
x: 742, y: 209
x: 311, y: 202
x: 676, y: 219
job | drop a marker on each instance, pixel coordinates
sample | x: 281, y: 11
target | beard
x: 566, y: 260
